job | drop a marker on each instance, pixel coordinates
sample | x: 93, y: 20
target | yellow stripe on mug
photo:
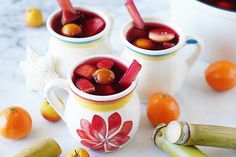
x: 104, y: 106
x: 149, y: 57
x: 78, y: 45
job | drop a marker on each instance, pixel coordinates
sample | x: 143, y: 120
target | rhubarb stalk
x: 172, y: 149
x: 133, y: 11
x: 45, y: 148
x: 131, y: 73
x: 202, y: 135
x: 69, y: 13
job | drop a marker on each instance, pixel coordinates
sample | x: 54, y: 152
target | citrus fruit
x: 162, y: 108
x: 221, y: 75
x: 15, y: 123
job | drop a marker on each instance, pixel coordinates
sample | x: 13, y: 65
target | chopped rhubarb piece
x: 86, y: 70
x: 85, y: 85
x: 68, y: 17
x: 66, y: 6
x: 133, y: 11
x: 161, y: 35
x: 68, y: 11
x: 168, y: 45
x: 105, y: 63
x: 93, y: 26
x: 131, y: 73
x: 105, y: 90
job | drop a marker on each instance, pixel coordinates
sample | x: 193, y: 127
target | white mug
x: 162, y: 70
x: 101, y: 123
x: 66, y: 51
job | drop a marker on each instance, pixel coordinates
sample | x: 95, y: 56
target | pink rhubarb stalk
x: 131, y: 73
x: 133, y: 11
x: 69, y: 13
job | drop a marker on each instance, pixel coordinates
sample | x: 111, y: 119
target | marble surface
x: 199, y: 104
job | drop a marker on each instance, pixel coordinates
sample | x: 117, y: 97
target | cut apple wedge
x: 105, y: 63
x: 69, y: 13
x: 130, y: 74
x: 161, y: 35
x: 85, y: 85
x: 133, y: 11
x: 86, y: 70
x: 93, y: 26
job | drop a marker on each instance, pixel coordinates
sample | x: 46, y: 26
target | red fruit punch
x: 105, y: 63
x: 85, y: 85
x: 105, y: 90
x: 131, y: 73
x: 86, y: 70
x: 168, y: 45
x: 133, y: 11
x: 93, y: 26
x: 68, y: 12
x: 225, y: 5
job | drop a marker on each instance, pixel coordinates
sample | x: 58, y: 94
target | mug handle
x: 51, y: 97
x: 110, y: 17
x: 198, y: 43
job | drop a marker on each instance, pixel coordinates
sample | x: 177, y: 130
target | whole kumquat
x: 221, y: 75
x: 15, y: 123
x: 162, y: 108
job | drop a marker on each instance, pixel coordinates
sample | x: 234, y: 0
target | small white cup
x: 101, y: 123
x: 162, y: 70
x: 67, y: 51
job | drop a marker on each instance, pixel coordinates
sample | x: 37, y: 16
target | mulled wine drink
x: 104, y: 76
x: 154, y: 36
x: 222, y: 4
x: 86, y: 24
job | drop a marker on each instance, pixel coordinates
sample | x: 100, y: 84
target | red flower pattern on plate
x: 99, y: 137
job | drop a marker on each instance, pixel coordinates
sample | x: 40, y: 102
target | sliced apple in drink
x: 93, y: 26
x: 161, y: 35
x: 85, y: 85
x: 86, y: 70
x: 130, y: 74
x: 105, y: 63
